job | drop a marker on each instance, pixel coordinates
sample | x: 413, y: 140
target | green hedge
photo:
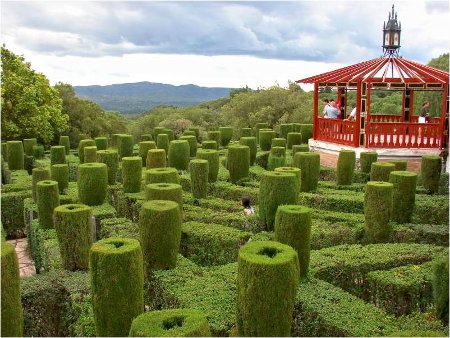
x: 84, y: 143
x: 250, y: 142
x: 47, y: 194
x: 238, y: 162
x: 431, y: 173
x: 90, y: 154
x: 101, y: 143
x: 15, y: 155
x: 164, y: 191
x: 309, y: 164
x: 246, y: 132
x: 125, y: 145
x: 38, y: 151
x: 307, y: 132
x: 146, y: 137
x: 380, y: 171
x: 285, y: 129
x: 162, y: 175
x: 144, y: 147
x: 278, y: 142
x: 258, y: 126
x: 118, y: 227
x: 345, y: 167
x: 400, y: 165
x: 366, y: 159
x: 378, y: 211
x: 262, y: 159
x: 132, y: 173
x: 226, y: 134
x: 111, y: 159
x: 212, y: 156
x: 297, y: 148
x: 214, y: 135
x: 192, y: 140
x: 28, y: 144
x: 196, y: 131
x: 60, y: 174
x: 92, y: 183
x: 293, y: 170
x: 431, y: 210
x: 199, y: 170
x: 293, y: 139
x: 404, y: 195
x: 39, y: 174
x: 163, y: 142
x: 65, y: 141
x: 156, y: 158
x: 265, y: 139
x: 277, y: 158
x: 117, y: 282
x: 12, y: 213
x: 179, y: 154
x: 440, y: 287
x: 210, y: 145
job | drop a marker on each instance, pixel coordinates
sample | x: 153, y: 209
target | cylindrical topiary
x: 15, y: 155
x: 37, y: 175
x: 366, y: 158
x: 226, y: 134
x: 5, y: 151
x: 265, y: 139
x: 144, y: 147
x: 199, y: 170
x: 64, y: 140
x: 267, y: 281
x: 192, y: 144
x: 277, y: 158
x: 404, y: 195
x: 38, y: 151
x: 163, y: 142
x: 400, y: 165
x: 380, y: 171
x: 160, y: 234
x: 296, y: 127
x: 82, y: 137
x: 250, y: 141
x: 196, y: 131
x: 307, y: 132
x: 189, y: 133
x: 278, y: 142
x: 293, y: 227
x: 430, y: 172
x: 440, y: 287
x: 309, y: 164
x: 115, y: 140
x: 84, y: 143
x: 208, y: 144
x: 90, y: 154
x: 258, y: 126
x: 285, y: 129
x: 299, y: 148
x: 131, y: 173
x: 111, y: 159
x: 60, y: 174
x: 276, y: 188
x: 101, y: 143
x: 378, y: 211
x: 171, y: 323
x: 169, y: 133
x: 28, y: 144
x: 162, y: 175
x: 238, y: 162
x: 345, y: 167
x: 125, y: 145
x: 157, y: 131
x: 12, y: 317
x: 246, y: 132
x: 146, y: 137
x: 164, y: 191
x: 179, y: 154
x: 214, y: 135
x: 92, y: 183
x: 47, y: 196
x: 156, y: 158
x: 293, y: 170
x: 74, y: 228
x: 293, y: 139
x: 117, y: 284
x: 57, y: 155
x: 212, y: 156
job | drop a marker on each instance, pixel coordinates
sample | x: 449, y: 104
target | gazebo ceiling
x: 387, y: 71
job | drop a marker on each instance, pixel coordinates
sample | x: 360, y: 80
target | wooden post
x: 444, y: 117
x: 358, y: 115
x: 316, y: 111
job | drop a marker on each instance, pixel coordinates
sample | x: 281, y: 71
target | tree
x: 30, y: 106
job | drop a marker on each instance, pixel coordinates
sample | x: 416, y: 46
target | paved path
x: 26, y: 264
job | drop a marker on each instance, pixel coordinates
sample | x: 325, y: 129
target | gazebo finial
x: 391, y: 34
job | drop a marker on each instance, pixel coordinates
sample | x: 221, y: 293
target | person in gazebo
x: 424, y: 112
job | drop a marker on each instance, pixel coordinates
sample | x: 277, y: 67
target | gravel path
x: 26, y: 264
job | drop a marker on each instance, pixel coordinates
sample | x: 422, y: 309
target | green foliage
x: 293, y: 170
x: 226, y: 134
x: 92, y: 183
x: 60, y: 174
x: 28, y: 145
x: 268, y: 274
x: 15, y: 154
x: 404, y: 195
x: 12, y: 212
x: 146, y: 137
x: 285, y: 129
x: 84, y: 143
x: 156, y: 158
x: 57, y: 155
x: 163, y: 142
x: 278, y: 142
x: 293, y: 139
x: 164, y: 191
x: 38, y: 151
x: 277, y: 158
x: 309, y: 164
x: 117, y: 282
x: 192, y: 140
x: 30, y: 107
x: 238, y: 162
x: 132, y: 173
x: 214, y: 135
x: 179, y: 154
x: 118, y: 227
x: 196, y: 131
x: 111, y: 159
x: 212, y: 156
x: 101, y: 143
x: 171, y: 323
x: 65, y: 141
x: 39, y: 174
x: 400, y: 165
x: 307, y: 132
x: 298, y: 148
x: 160, y: 233
x: 125, y: 145
x: 209, y: 145
x: 440, y: 287
x: 380, y: 171
x: 144, y: 147
x: 11, y: 308
x: 162, y: 175
x: 250, y: 142
x: 246, y: 132
x: 431, y: 173
x: 265, y: 139
x: 90, y: 154
x: 258, y: 126
x: 73, y: 224
x: 378, y: 211
x: 293, y: 227
x: 199, y: 170
x: 366, y: 160
x: 47, y: 196
x: 345, y: 167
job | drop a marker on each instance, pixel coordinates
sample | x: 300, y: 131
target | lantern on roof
x: 391, y: 34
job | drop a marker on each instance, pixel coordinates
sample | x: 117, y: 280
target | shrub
x: 144, y: 147
x: 157, y: 131
x: 214, y: 135
x: 276, y: 188
x: 400, y: 165
x: 345, y: 167
x: 258, y: 126
x: 73, y: 224
x: 156, y: 158
x: 299, y: 148
x: 47, y: 195
x: 380, y: 171
x: 82, y: 137
x: 125, y: 145
x: 246, y: 132
x: 132, y: 173
x: 378, y: 211
x: 15, y: 155
x: 366, y: 160
x: 210, y: 145
x: 118, y: 227
x: 92, y: 183
x: 28, y: 144
x: 278, y: 142
x: 111, y: 159
x: 65, y: 141
x: 60, y: 174
x: 90, y: 154
x: 38, y: 151
x: 212, y: 156
x: 199, y: 170
x: 277, y: 158
x: 179, y: 154
x: 309, y: 164
x: 84, y: 143
x: 57, y: 155
x: 404, y: 195
x: 196, y: 131
x: 169, y: 133
x: 164, y: 191
x: 285, y: 129
x: 4, y: 151
x: 39, y: 174
x: 12, y: 212
x: 265, y: 139
x: 189, y: 133
x: 238, y: 162
x: 192, y: 144
x: 160, y: 233
x: 171, y: 323
x: 307, y: 132
x: 226, y: 134
x: 267, y: 281
x: 162, y: 175
x: 440, y: 287
x: 292, y: 170
x: 430, y: 173
x: 101, y: 143
x: 163, y: 142
x: 146, y: 137
x: 117, y: 283
x: 250, y: 142
x: 12, y: 320
x: 115, y: 140
x: 293, y: 139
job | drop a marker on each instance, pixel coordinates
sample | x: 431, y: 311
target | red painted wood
x: 336, y: 131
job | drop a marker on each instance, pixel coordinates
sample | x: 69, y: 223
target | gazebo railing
x: 397, y: 118
x: 335, y: 130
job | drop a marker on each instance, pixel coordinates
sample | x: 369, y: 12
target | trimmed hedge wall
x: 292, y: 170
x: 226, y: 134
x: 199, y: 170
x: 309, y: 164
x: 84, y: 143
x: 90, y: 154
x: 214, y: 135
x: 15, y: 155
x: 404, y: 195
x: 440, y: 287
x: 299, y: 148
x: 378, y: 211
x: 293, y: 139
x: 238, y: 162
x: 162, y: 175
x: 156, y: 158
x: 163, y: 142
x: 212, y: 156
x: 250, y: 142
x: 65, y: 141
x: 258, y: 126
x: 366, y: 159
x: 111, y: 159
x: 431, y: 173
x: 164, y: 191
x: 380, y: 171
x: 47, y: 195
x: 125, y: 145
x: 12, y: 213
x: 144, y: 147
x: 285, y: 129
x: 28, y: 144
x: 39, y: 174
x: 265, y: 139
x: 277, y: 158
x: 278, y: 142
x: 132, y: 173
x: 92, y: 183
x: 209, y: 144
x: 60, y: 174
x: 192, y: 140
x: 179, y: 154
x: 101, y: 143
x: 307, y: 132
x: 246, y: 132
x: 345, y: 167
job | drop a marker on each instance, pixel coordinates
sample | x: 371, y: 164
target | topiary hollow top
x: 160, y: 205
x: 200, y: 161
x: 163, y: 186
x: 379, y: 184
x: 384, y: 164
x: 162, y: 170
x: 206, y: 151
x: 93, y: 165
x: 403, y: 173
x: 267, y: 253
x: 294, y: 209
x: 47, y: 182
x: 132, y: 159
x: 72, y: 208
x: 278, y: 173
x: 115, y: 246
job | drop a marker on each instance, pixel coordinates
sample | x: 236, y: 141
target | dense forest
x: 31, y: 107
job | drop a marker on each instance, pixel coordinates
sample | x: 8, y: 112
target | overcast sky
x: 228, y: 44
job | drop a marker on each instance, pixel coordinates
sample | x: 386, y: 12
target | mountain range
x: 133, y: 98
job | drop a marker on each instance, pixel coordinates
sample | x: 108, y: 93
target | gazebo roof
x: 384, y: 70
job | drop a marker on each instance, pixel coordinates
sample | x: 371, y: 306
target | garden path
x: 26, y: 264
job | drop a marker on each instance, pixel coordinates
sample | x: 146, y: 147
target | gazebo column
x: 316, y: 111
x: 361, y: 92
x: 407, y: 104
x: 444, y: 116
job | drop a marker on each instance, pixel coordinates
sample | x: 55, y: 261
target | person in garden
x: 248, y: 209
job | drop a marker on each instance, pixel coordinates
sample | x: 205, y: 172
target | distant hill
x: 131, y: 98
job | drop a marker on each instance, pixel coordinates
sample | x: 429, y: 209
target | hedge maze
x: 148, y: 237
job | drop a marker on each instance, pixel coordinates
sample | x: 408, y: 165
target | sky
x: 214, y: 44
